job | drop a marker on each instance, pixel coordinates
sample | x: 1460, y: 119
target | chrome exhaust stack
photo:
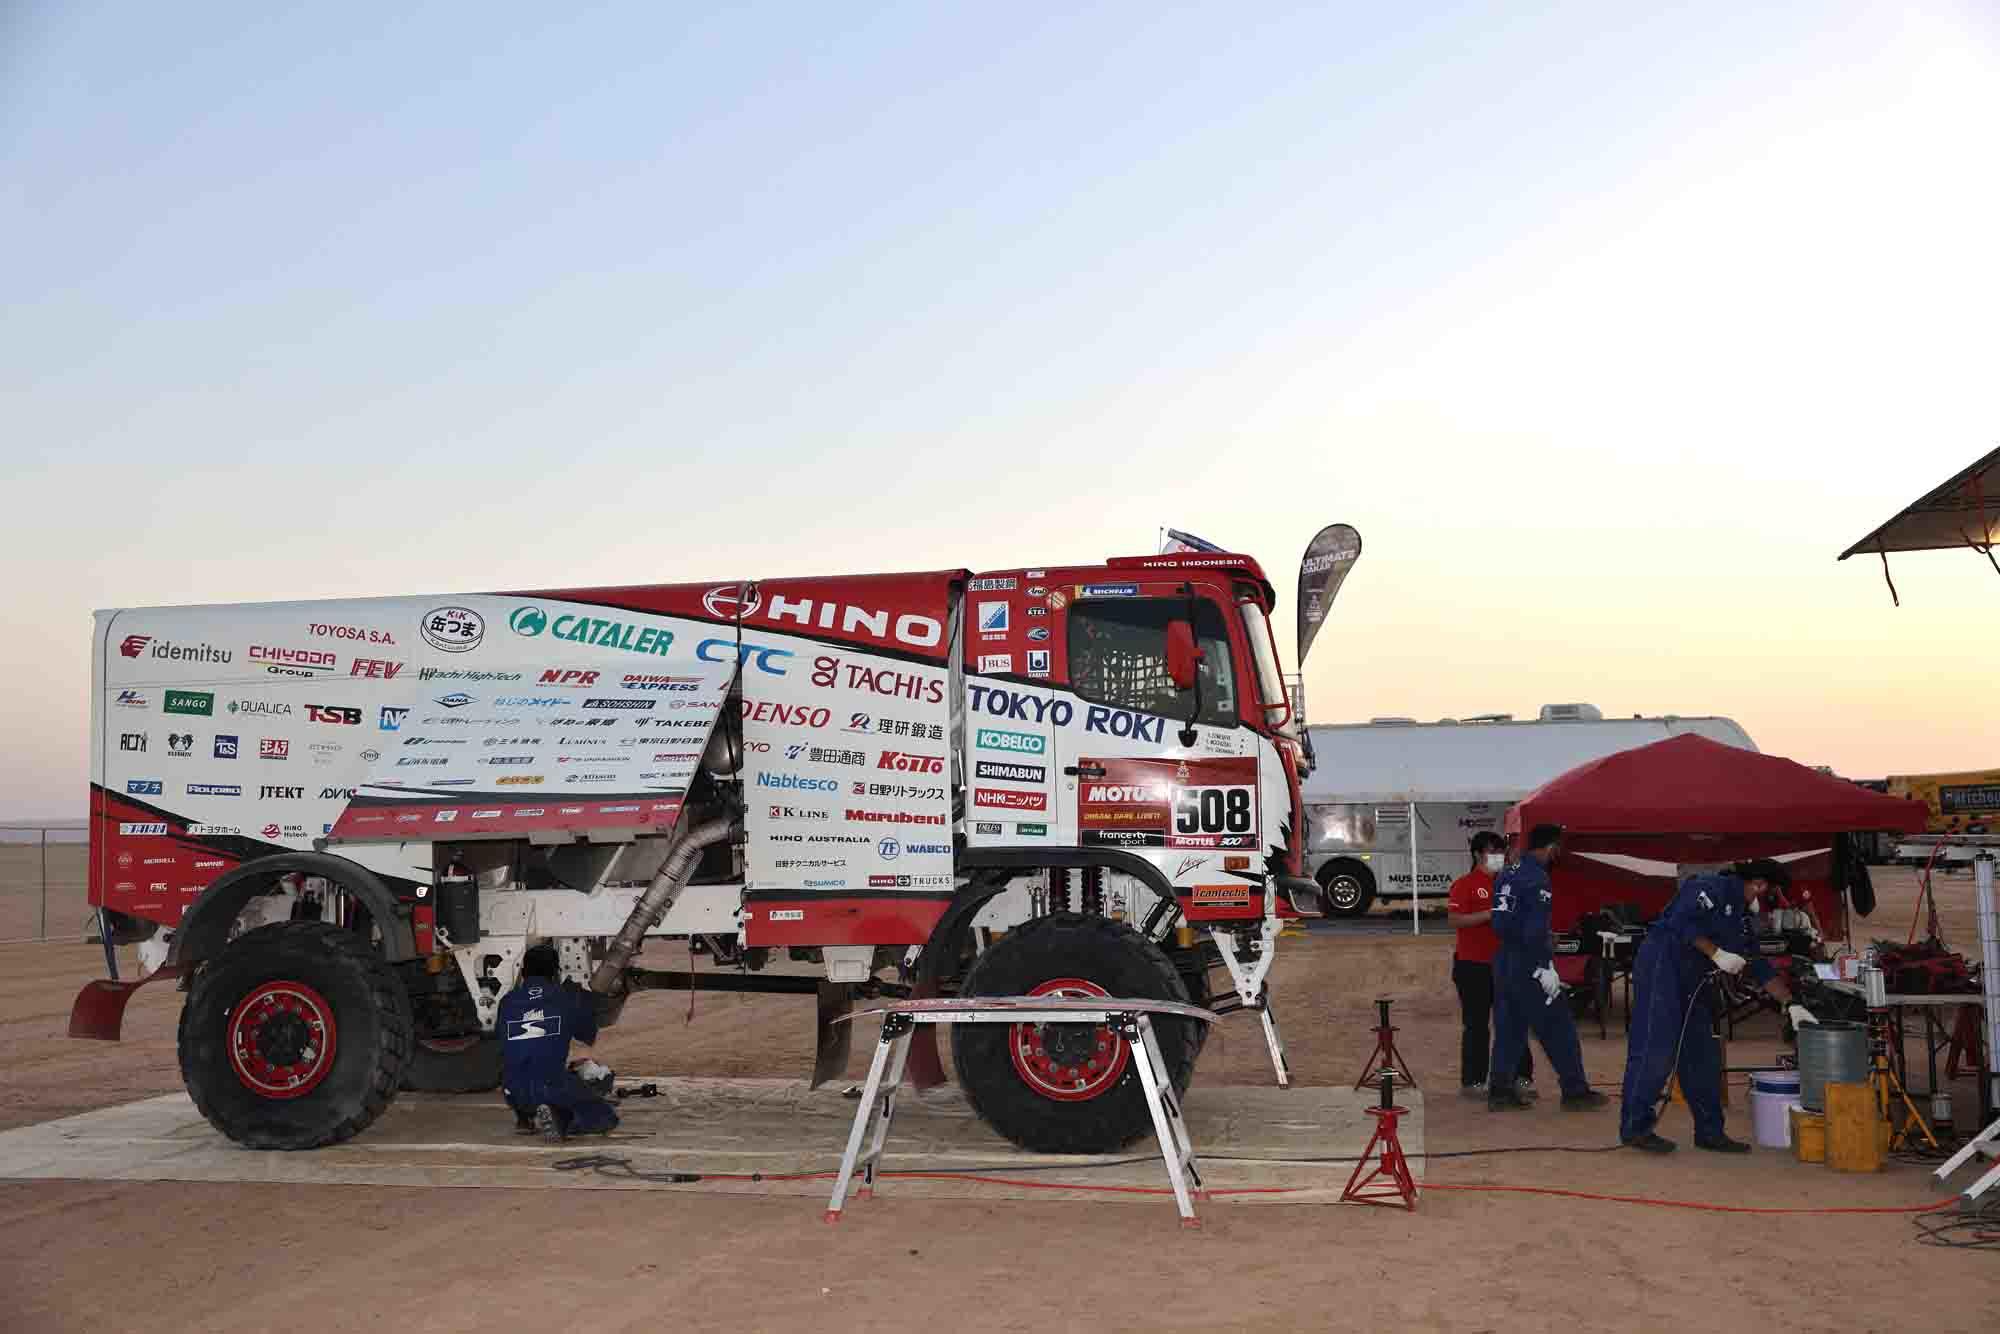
x: 608, y: 979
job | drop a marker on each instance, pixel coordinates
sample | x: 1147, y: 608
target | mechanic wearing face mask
x: 1704, y: 932
x: 1527, y: 993
x: 1470, y: 910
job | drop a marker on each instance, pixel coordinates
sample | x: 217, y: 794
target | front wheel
x: 1349, y: 888
x: 1069, y: 1088
x: 295, y: 1036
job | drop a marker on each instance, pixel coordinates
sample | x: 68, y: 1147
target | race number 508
x: 1212, y: 810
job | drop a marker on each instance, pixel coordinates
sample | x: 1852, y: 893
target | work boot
x: 1720, y: 1144
x: 1525, y: 1087
x: 1509, y: 1101
x: 1472, y: 1090
x: 545, y: 1122
x: 1587, y: 1101
x: 1651, y: 1143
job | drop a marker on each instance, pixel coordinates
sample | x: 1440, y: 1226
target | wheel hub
x: 281, y: 1040
x: 1067, y: 1062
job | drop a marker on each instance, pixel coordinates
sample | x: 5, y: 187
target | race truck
x: 338, y: 825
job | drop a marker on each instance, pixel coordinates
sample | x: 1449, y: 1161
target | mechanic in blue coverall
x: 1705, y: 931
x: 538, y: 1020
x: 1527, y: 994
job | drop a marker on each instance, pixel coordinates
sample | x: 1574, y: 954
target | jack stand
x: 1250, y: 991
x: 1889, y: 1090
x: 1386, y: 1059
x: 1390, y: 1180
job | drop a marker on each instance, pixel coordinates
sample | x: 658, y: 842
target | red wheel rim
x: 1074, y: 1065
x: 281, y: 1040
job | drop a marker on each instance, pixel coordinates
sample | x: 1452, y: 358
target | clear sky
x: 1608, y: 328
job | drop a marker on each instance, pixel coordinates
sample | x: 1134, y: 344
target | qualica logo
x: 904, y: 762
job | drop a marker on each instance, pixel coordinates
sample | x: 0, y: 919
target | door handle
x: 1084, y: 770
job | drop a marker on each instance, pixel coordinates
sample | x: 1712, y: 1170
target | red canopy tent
x: 1689, y: 799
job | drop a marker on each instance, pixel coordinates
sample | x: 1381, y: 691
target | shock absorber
x: 1059, y: 900
x: 1093, y: 890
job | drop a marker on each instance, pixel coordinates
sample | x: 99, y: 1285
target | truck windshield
x: 1270, y: 681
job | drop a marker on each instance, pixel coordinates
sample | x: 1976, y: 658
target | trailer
x: 338, y: 825
x: 1394, y: 803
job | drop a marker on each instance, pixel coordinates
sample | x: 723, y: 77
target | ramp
x: 726, y: 1130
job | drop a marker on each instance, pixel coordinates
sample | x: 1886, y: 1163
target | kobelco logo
x: 529, y: 621
x: 725, y: 604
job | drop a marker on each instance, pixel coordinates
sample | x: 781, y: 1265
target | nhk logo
x: 1021, y: 743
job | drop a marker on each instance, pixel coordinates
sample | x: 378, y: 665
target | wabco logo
x: 763, y: 657
x: 592, y: 630
x: 908, y: 627
x: 1021, y: 743
x: 904, y: 762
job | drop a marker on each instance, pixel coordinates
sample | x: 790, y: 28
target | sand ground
x: 164, y: 1256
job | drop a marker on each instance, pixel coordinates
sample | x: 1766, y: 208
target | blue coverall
x: 537, y: 1021
x: 1522, y: 901
x: 1668, y: 977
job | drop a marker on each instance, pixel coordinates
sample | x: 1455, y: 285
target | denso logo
x: 727, y: 604
x: 1124, y: 792
x: 904, y: 762
x: 557, y: 676
x: 796, y: 782
x: 763, y: 657
x: 1021, y: 743
x: 785, y: 715
x: 879, y: 680
x: 1003, y: 703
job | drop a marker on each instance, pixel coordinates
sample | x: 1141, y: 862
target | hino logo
x: 908, y: 627
x: 904, y: 762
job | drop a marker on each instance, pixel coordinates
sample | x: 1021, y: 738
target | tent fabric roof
x: 1363, y: 762
x: 1691, y: 785
x: 1964, y: 511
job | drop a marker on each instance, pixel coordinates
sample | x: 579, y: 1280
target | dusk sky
x: 1609, y: 329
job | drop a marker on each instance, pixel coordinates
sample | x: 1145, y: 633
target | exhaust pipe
x: 609, y: 977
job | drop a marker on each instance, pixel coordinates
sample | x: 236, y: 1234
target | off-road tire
x: 1116, y: 958
x: 1348, y: 887
x: 449, y: 1068
x: 370, y: 1053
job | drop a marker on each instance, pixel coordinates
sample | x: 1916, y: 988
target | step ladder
x: 1986, y: 1144
x: 1130, y: 1021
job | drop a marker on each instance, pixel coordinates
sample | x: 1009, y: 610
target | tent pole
x: 1415, y: 929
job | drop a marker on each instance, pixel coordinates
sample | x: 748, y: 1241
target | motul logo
x: 1115, y: 792
x: 904, y: 762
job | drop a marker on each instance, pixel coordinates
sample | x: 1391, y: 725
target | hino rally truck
x: 338, y: 825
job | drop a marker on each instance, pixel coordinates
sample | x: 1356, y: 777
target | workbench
x: 1938, y: 1034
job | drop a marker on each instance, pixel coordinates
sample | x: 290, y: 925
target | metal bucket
x: 1830, y: 1053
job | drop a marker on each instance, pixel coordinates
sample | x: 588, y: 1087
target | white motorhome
x: 1373, y: 783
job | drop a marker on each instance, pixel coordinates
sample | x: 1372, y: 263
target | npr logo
x: 561, y: 677
x: 375, y: 669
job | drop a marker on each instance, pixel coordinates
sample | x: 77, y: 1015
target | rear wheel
x: 296, y: 1035
x: 1069, y: 1088
x: 1349, y: 887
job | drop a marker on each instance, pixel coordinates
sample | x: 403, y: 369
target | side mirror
x: 1182, y: 655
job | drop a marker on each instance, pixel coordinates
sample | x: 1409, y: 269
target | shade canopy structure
x: 1963, y: 512
x: 1687, y: 796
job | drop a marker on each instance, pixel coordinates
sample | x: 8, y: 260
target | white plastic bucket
x: 1773, y: 1093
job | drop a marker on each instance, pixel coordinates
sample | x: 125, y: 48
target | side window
x: 1118, y: 655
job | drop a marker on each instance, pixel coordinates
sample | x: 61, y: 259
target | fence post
x: 43, y: 933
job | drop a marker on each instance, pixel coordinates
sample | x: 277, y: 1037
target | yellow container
x: 1854, y: 1140
x: 1808, y: 1136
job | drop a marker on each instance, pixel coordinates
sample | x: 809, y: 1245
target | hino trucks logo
x: 910, y: 628
x: 134, y: 646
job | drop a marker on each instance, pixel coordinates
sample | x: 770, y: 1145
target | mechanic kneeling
x: 538, y: 1020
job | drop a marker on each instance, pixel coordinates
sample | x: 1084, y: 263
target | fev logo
x: 1021, y: 743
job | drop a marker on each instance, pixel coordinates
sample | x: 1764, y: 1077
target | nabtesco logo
x: 796, y: 783
x: 1021, y: 743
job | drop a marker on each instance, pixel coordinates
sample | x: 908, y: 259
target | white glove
x: 1551, y: 984
x: 592, y: 1072
x: 1731, y: 964
x: 1801, y: 1016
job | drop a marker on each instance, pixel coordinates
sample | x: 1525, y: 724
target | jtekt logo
x: 268, y: 792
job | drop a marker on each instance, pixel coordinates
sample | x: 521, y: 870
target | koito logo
x: 904, y: 762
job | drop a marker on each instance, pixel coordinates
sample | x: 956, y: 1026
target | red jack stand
x: 1386, y: 1057
x: 1390, y: 1180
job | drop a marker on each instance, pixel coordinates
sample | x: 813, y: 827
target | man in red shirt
x: 1470, y: 909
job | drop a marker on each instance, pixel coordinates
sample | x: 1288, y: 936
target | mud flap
x: 99, y: 1011
x: 834, y: 1037
x: 924, y: 1067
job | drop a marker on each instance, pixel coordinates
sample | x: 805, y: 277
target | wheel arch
x: 994, y: 868
x: 204, y: 928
